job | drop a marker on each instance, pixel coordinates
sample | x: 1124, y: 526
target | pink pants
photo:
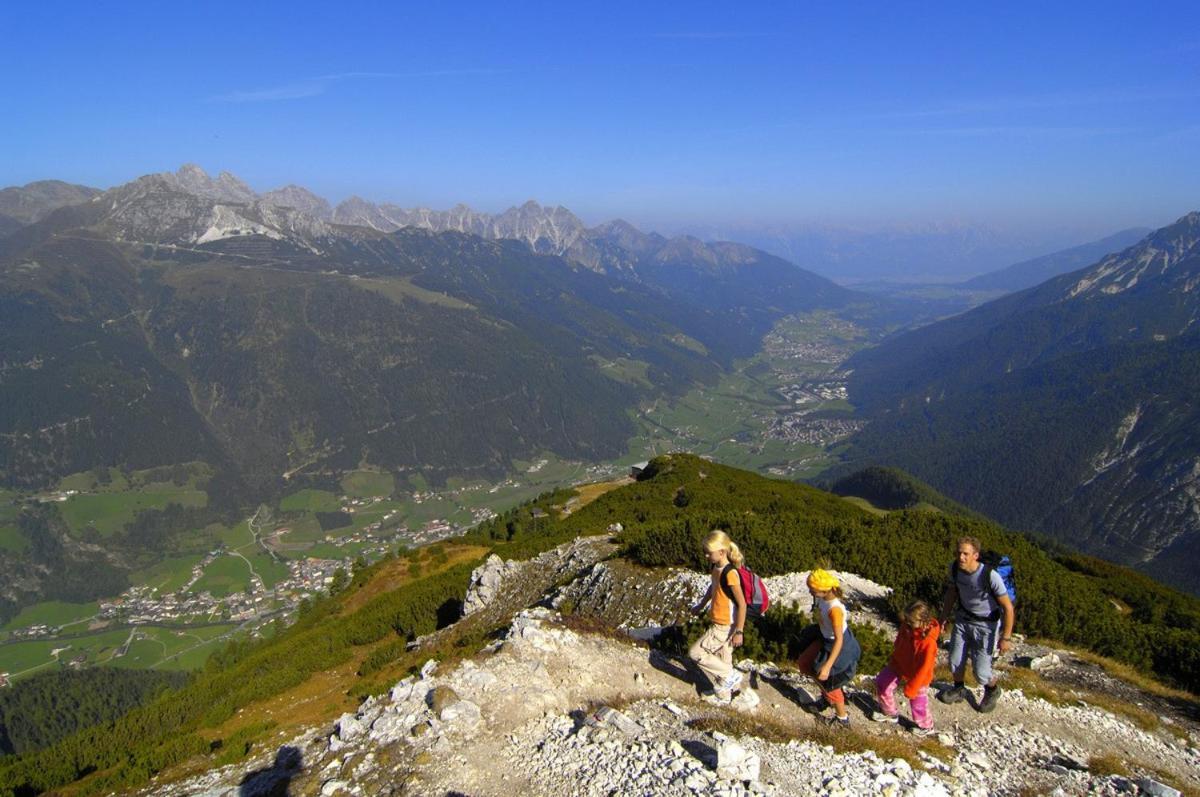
x: 885, y: 687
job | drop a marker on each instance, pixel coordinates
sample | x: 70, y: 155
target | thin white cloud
x: 315, y: 86
x: 291, y: 91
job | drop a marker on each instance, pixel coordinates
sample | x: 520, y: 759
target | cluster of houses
x: 57, y: 496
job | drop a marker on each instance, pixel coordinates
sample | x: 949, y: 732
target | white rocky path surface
x: 552, y: 711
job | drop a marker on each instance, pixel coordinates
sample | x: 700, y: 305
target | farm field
x: 52, y: 613
x: 367, y: 484
x: 109, y: 512
x: 168, y: 575
x: 151, y: 648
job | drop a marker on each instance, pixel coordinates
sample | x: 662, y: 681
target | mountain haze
x: 1033, y: 272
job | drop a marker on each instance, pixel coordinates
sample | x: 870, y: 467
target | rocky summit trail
x: 550, y: 709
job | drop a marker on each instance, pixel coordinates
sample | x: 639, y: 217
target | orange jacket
x: 913, y: 656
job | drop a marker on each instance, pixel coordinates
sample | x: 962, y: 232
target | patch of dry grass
x: 1105, y: 765
x: 1033, y: 685
x: 734, y: 723
x: 590, y: 492
x: 399, y: 572
x: 1136, y: 677
x: 886, y: 746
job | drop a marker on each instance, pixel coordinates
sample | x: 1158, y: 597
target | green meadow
x: 168, y: 575
x: 52, y: 613
x: 310, y: 501
x: 224, y: 575
x: 368, y: 484
x: 158, y: 648
x: 109, y: 512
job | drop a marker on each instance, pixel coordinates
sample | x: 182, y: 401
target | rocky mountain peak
x: 232, y: 187
x: 1165, y: 259
x: 192, y: 179
x: 300, y: 198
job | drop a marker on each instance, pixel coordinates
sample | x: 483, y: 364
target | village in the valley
x: 185, y: 607
x: 806, y: 356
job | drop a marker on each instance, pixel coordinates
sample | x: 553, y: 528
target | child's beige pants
x: 713, y: 653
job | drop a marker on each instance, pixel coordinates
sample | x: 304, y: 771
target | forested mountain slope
x: 1068, y: 408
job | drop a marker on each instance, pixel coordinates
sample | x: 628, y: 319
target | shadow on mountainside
x: 275, y: 780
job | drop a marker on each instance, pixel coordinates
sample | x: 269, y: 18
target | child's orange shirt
x: 914, y: 655
x: 722, y: 607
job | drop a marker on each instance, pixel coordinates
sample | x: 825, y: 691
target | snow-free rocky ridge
x: 551, y: 709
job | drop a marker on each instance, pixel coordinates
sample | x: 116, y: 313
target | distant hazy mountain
x: 931, y: 301
x: 1032, y: 272
x: 1067, y: 408
x: 22, y: 205
x: 918, y: 253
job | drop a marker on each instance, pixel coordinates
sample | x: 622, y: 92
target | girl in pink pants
x: 913, y: 657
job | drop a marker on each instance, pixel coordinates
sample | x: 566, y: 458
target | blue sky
x: 667, y: 114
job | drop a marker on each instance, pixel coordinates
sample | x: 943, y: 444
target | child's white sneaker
x: 732, y: 681
x: 879, y: 716
x: 720, y: 697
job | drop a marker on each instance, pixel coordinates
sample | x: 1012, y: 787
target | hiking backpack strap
x: 728, y: 590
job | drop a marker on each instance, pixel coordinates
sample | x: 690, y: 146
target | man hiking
x: 977, y: 600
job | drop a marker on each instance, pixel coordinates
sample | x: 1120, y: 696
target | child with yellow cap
x: 828, y: 650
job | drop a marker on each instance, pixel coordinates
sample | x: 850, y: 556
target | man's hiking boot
x: 955, y: 694
x: 880, y: 716
x: 991, y: 696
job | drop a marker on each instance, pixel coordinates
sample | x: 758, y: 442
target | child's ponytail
x: 735, y: 554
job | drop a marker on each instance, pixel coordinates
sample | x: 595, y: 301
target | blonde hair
x: 718, y: 540
x: 972, y: 541
x: 918, y: 614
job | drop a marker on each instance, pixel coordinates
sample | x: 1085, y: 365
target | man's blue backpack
x: 1004, y: 566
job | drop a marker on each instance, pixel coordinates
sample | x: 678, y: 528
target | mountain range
x: 1067, y: 408
x: 272, y: 339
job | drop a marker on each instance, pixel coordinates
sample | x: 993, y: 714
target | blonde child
x: 829, y: 651
x: 914, y: 654
x: 713, y: 652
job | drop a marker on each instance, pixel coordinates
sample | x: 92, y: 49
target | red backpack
x: 753, y: 590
